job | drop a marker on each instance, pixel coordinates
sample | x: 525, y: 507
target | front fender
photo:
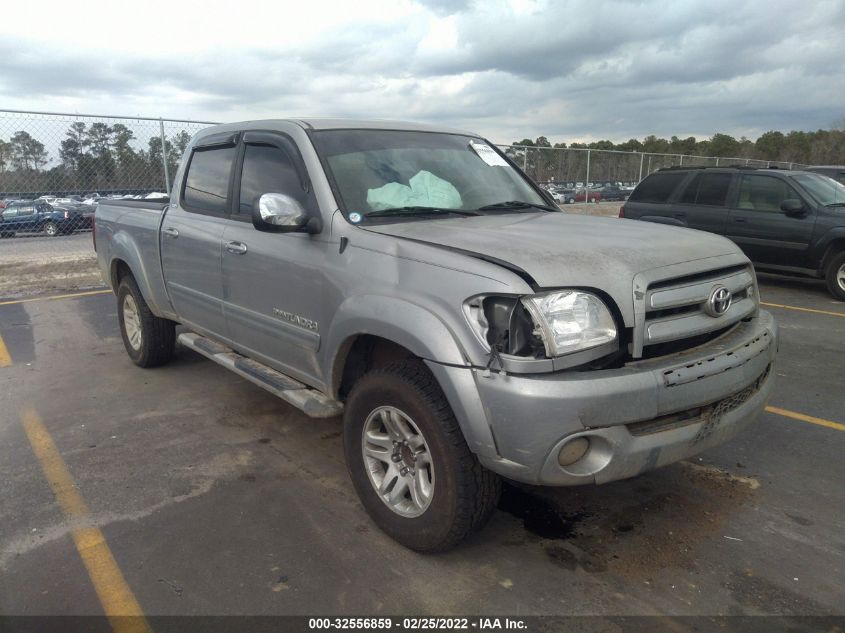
x: 412, y: 326
x: 829, y: 243
x: 425, y: 335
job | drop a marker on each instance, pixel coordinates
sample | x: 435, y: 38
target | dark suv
x: 786, y: 221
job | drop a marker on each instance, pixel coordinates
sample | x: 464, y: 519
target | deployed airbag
x: 425, y: 190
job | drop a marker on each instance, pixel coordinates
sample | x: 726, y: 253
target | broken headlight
x: 570, y: 321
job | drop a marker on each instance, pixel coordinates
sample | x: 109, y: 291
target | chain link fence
x: 573, y: 167
x: 55, y: 167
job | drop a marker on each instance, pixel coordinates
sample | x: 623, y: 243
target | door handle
x: 237, y: 248
x: 740, y: 220
x: 170, y: 232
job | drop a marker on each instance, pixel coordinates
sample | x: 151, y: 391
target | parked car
x: 837, y: 172
x: 563, y: 196
x: 790, y: 222
x: 612, y: 192
x: 588, y: 195
x: 38, y: 217
x: 416, y: 281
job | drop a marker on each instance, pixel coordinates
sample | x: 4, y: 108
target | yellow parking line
x: 114, y: 593
x: 68, y: 296
x: 814, y: 311
x: 5, y: 357
x: 806, y: 418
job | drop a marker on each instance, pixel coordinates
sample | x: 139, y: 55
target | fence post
x: 717, y: 161
x: 681, y: 164
x: 525, y: 161
x: 587, y: 179
x: 642, y: 158
x: 164, y: 157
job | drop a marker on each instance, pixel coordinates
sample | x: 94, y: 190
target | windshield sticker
x: 355, y: 217
x: 488, y: 154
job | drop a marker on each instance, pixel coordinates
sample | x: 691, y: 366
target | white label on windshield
x: 488, y: 154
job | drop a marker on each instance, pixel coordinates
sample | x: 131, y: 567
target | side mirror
x: 793, y: 208
x: 279, y: 213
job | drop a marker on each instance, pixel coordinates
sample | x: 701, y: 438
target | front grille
x: 710, y: 414
x: 673, y: 310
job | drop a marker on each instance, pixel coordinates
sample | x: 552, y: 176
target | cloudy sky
x: 572, y: 70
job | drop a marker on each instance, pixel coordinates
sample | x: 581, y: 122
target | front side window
x: 207, y: 181
x: 267, y: 169
x: 378, y: 170
x: 764, y: 193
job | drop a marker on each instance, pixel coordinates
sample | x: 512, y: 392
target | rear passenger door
x: 703, y: 202
x: 762, y: 230
x: 192, y: 234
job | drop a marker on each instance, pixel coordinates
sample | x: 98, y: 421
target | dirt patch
x: 59, y: 274
x: 633, y: 528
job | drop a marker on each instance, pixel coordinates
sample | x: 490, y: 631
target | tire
x: 570, y: 201
x: 835, y: 276
x: 462, y: 494
x: 149, y: 340
x: 51, y: 229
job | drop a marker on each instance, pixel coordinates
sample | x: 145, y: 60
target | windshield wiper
x: 417, y: 211
x: 835, y: 204
x: 515, y: 204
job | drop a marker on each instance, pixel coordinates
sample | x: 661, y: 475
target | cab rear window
x: 658, y: 187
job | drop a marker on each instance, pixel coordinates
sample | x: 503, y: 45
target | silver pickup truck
x: 414, y: 280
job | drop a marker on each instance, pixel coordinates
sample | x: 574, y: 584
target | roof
x: 728, y: 167
x: 375, y: 124
x: 333, y: 124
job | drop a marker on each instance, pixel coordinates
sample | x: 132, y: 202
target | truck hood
x: 558, y: 249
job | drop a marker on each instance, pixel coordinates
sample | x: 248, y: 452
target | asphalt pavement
x: 211, y: 496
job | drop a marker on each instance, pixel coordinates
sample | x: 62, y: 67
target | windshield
x: 824, y: 190
x: 378, y: 171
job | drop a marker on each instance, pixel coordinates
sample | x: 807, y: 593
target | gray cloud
x: 567, y: 70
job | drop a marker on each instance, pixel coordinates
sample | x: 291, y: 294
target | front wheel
x: 409, y: 462
x: 149, y: 340
x: 51, y: 229
x: 835, y: 276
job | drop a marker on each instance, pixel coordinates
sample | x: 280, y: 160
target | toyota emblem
x: 719, y: 301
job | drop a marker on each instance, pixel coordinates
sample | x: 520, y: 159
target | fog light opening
x: 573, y: 450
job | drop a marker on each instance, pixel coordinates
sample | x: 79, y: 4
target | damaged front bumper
x: 645, y: 415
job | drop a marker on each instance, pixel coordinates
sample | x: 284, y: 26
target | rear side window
x: 657, y: 187
x: 707, y: 188
x: 207, y: 181
x: 763, y: 193
x: 268, y: 169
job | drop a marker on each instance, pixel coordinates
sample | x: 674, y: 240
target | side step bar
x: 310, y: 401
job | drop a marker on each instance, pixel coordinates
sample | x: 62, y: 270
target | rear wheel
x: 409, y: 462
x: 835, y: 276
x: 149, y: 340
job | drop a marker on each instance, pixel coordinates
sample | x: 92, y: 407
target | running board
x: 313, y: 403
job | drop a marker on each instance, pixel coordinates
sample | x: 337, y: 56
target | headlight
x: 571, y: 320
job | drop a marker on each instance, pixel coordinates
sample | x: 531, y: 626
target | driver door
x: 762, y: 230
x: 273, y: 284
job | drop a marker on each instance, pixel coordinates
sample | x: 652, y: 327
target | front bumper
x: 647, y: 414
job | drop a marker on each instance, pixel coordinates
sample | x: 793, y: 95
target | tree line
x: 822, y: 147
x: 93, y: 157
